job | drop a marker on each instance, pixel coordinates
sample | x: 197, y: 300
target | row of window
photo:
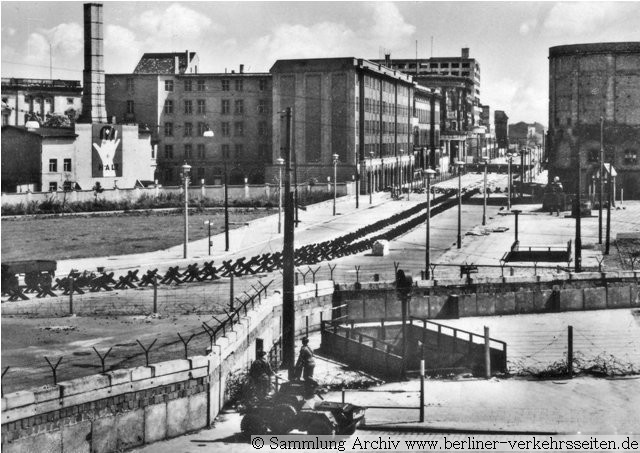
x: 225, y: 149
x: 225, y: 129
x: 53, y: 165
x: 200, y: 85
x: 225, y: 106
x: 388, y: 127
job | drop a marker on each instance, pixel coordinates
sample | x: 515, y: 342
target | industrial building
x: 594, y: 103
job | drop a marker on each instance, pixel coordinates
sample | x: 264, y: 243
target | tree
x: 57, y: 120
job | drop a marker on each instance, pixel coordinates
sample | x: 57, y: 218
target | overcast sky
x: 511, y: 40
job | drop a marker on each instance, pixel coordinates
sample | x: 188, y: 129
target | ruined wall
x: 588, y: 82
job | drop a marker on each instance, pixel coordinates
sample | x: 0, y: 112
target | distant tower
x: 93, y: 101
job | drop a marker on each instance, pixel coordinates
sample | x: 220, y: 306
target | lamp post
x: 335, y: 174
x: 209, y: 134
x: 371, y: 153
x: 280, y: 162
x: 508, y: 156
x: 427, y: 257
x: 484, y: 192
x: 208, y: 223
x: 460, y: 164
x: 185, y: 174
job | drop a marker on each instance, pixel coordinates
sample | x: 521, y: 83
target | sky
x: 510, y: 40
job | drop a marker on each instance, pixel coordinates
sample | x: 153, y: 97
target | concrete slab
x: 130, y: 429
x: 77, y: 437
x: 155, y: 422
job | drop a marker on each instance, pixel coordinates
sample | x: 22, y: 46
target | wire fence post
x: 487, y: 353
x: 146, y: 350
x: 570, y: 351
x: 71, y: 282
x: 54, y: 369
x: 422, y: 372
x: 231, y: 291
x: 3, y: 373
x: 186, y: 344
x: 155, y: 294
x: 102, y: 357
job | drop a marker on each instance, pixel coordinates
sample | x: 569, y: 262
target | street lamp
x: 427, y: 257
x: 208, y: 223
x: 280, y: 162
x: 509, y: 157
x: 460, y: 164
x: 335, y: 174
x: 371, y: 153
x: 209, y: 134
x: 485, y: 160
x: 185, y: 174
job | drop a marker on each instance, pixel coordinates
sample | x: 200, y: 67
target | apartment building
x: 39, y: 97
x: 178, y: 104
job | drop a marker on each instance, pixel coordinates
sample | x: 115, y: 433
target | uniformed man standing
x: 306, y: 363
x: 260, y: 374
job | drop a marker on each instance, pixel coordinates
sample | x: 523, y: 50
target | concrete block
x: 141, y: 372
x: 118, y: 377
x: 546, y: 278
x: 436, y: 305
x: 419, y: 307
x: 19, y: 399
x: 524, y: 302
x: 505, y: 303
x: 612, y: 275
x: 77, y: 437
x: 486, y: 304
x: 155, y: 422
x: 177, y: 417
x: 50, y: 442
x: 635, y: 294
x: 594, y: 298
x: 83, y: 384
x: 380, y: 248
x: 587, y: 276
x: 571, y: 299
x: 618, y: 297
x: 104, y: 439
x: 46, y: 393
x: 4, y: 405
x: 130, y: 428
x: 467, y: 305
x: 199, y: 361
x: 197, y: 411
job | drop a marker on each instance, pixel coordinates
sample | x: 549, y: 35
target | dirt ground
x: 26, y: 343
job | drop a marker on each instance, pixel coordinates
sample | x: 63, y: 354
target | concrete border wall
x: 126, y: 408
x: 456, y: 298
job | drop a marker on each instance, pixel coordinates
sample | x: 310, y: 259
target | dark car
x: 297, y: 405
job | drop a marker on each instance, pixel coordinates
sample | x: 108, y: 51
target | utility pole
x: 578, y: 260
x: 610, y: 190
x: 288, y: 308
x: 601, y: 181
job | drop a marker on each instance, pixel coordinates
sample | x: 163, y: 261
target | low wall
x: 454, y: 298
x: 126, y: 408
x: 196, y: 192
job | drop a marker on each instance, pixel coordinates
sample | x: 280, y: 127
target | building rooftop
x: 164, y: 63
x: 45, y: 132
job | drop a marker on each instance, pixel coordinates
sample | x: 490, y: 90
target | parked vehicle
x: 297, y: 405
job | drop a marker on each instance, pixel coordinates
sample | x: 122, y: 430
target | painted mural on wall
x: 106, y: 153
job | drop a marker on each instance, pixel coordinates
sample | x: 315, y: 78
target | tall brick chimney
x: 93, y: 101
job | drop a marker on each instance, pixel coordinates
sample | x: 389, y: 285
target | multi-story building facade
x: 178, y: 104
x: 40, y: 97
x: 458, y: 79
x: 594, y: 102
x: 361, y: 111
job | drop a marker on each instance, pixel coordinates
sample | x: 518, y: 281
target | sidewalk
x: 317, y: 224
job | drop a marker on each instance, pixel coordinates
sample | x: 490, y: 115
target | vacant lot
x: 82, y: 236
